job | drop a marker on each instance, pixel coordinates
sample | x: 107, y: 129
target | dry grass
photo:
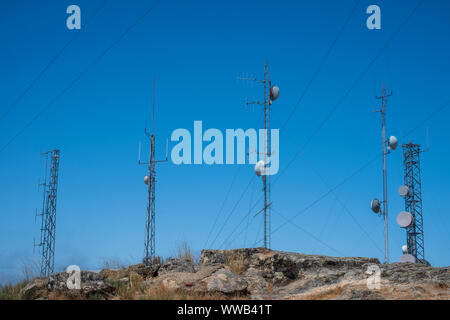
x: 184, y: 252
x: 161, y: 292
x: 12, y: 292
x: 30, y: 270
x: 235, y: 261
x: 135, y: 289
x: 329, y: 294
x: 114, y: 264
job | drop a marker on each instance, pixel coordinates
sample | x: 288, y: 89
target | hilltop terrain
x: 255, y: 273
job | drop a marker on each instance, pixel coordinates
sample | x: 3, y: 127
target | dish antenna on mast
x: 375, y: 205
x: 260, y: 168
x: 405, y: 219
x: 403, y: 191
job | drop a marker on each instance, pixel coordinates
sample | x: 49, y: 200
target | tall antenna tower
x: 270, y: 94
x: 150, y: 181
x: 413, y: 201
x: 387, y: 146
x: 48, y: 214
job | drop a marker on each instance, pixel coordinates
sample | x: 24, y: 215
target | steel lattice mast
x: 150, y: 180
x: 413, y: 200
x: 48, y: 214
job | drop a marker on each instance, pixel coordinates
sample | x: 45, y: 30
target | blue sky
x: 195, y: 50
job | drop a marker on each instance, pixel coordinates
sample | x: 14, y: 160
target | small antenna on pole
x: 428, y: 142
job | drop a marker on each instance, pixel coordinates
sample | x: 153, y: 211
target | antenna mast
x: 413, y: 201
x: 150, y: 180
x: 269, y: 96
x: 48, y: 214
x: 387, y: 145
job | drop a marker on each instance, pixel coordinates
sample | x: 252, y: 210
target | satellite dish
x: 146, y: 179
x: 407, y: 258
x: 274, y: 93
x: 403, y: 191
x: 375, y: 205
x: 393, y: 142
x: 405, y: 249
x: 404, y: 219
x: 259, y: 168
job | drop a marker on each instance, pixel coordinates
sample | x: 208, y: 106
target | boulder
x: 93, y: 285
x: 176, y: 265
x: 225, y: 281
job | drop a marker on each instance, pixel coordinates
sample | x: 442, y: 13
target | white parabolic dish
x: 407, y: 258
x: 403, y: 191
x: 404, y: 219
x: 259, y: 168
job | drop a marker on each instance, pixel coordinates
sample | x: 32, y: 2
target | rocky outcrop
x: 93, y: 286
x: 177, y: 265
x: 225, y: 281
x: 255, y: 273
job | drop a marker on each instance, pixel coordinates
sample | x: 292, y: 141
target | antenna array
x: 270, y: 94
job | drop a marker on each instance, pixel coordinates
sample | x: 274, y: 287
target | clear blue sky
x: 195, y: 49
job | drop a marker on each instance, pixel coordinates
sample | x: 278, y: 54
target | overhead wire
x: 50, y: 63
x: 356, y: 172
x: 80, y: 75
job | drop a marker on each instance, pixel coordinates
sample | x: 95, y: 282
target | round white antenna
x: 407, y: 258
x: 393, y: 142
x: 274, y: 93
x: 405, y: 249
x: 259, y: 168
x: 404, y: 219
x: 403, y: 191
x: 146, y: 179
x: 375, y: 205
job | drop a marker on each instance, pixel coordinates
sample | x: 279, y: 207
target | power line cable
x: 327, y: 193
x: 321, y: 64
x: 76, y: 79
x: 50, y: 63
x: 433, y: 114
x: 328, y: 52
x: 344, y: 206
x: 309, y: 234
x: 232, y: 210
x: 347, y: 93
x: 223, y: 205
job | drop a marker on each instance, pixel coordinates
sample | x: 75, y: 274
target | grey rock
x: 225, y: 281
x: 93, y: 285
x: 176, y: 265
x: 34, y: 289
x: 144, y: 271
